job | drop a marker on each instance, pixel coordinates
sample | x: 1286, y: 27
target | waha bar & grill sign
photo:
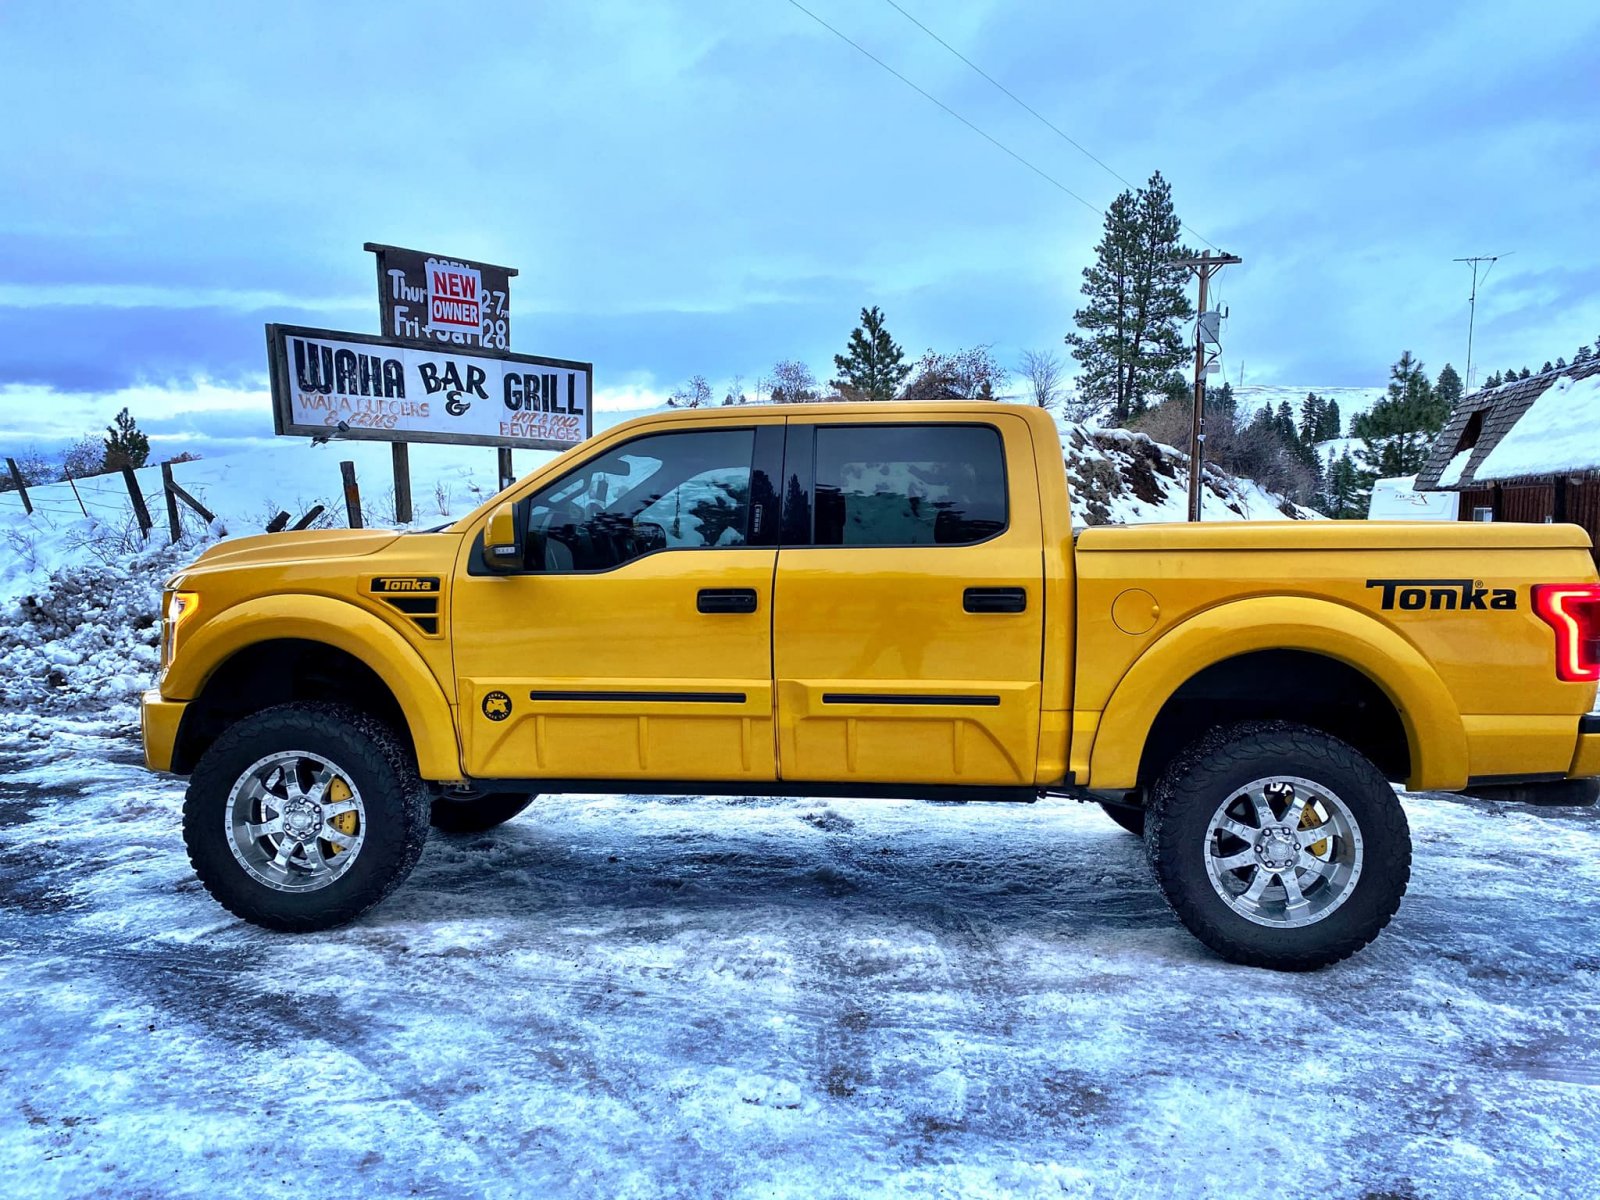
x: 347, y: 385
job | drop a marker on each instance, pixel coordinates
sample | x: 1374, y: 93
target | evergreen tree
x: 1526, y: 374
x: 1344, y: 489
x: 1312, y: 409
x: 1128, y: 339
x: 1448, y: 388
x: 873, y: 366
x: 1221, y: 402
x: 1492, y: 382
x: 1283, y: 422
x: 1547, y: 368
x: 1333, y: 425
x: 1398, y: 430
x: 1561, y: 363
x: 125, y: 445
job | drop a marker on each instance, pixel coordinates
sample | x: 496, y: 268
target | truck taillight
x: 1573, y: 611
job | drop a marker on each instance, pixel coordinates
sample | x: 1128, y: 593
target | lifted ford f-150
x: 867, y: 600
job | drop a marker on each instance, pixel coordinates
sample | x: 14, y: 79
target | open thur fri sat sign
x: 436, y: 299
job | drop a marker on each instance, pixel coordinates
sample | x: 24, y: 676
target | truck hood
x: 320, y: 544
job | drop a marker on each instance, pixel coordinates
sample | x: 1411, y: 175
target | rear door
x: 908, y: 606
x: 636, y: 643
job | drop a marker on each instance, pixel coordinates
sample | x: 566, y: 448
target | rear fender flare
x: 1434, y: 731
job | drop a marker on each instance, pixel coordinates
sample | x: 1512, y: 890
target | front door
x: 636, y: 643
x: 909, y: 607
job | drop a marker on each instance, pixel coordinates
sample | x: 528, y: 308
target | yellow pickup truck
x: 870, y: 600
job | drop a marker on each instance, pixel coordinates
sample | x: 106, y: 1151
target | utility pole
x: 1205, y: 267
x: 1472, y: 302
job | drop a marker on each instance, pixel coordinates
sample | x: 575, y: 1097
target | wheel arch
x: 309, y: 647
x: 1265, y: 640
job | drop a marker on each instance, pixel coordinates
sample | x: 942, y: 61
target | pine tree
x: 1448, y: 387
x: 1221, y: 402
x: 873, y: 366
x: 1526, y: 374
x: 1344, y: 489
x: 1312, y: 415
x: 1547, y: 368
x: 1334, y: 422
x: 125, y: 445
x: 1128, y: 340
x: 1398, y: 430
x: 1561, y: 363
x: 1492, y: 382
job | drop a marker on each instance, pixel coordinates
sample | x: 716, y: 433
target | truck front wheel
x: 303, y: 816
x: 1278, y: 845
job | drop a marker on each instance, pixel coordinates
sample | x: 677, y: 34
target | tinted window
x: 667, y: 491
x: 908, y: 485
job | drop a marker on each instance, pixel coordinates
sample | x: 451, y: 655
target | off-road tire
x: 1200, y: 779
x: 1130, y: 818
x: 380, y: 765
x: 478, y: 814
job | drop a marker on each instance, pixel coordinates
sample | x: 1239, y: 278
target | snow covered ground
x: 631, y: 996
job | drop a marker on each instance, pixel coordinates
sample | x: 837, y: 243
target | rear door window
x: 908, y: 485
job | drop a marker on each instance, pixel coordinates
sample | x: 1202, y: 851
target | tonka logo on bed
x: 497, y: 706
x: 1443, y: 595
x: 406, y: 583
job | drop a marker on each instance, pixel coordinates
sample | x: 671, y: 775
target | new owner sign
x: 353, y: 386
x: 434, y: 299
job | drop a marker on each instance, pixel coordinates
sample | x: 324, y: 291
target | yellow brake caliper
x: 1307, y: 821
x: 346, y: 822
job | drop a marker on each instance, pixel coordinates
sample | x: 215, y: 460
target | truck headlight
x: 178, y: 608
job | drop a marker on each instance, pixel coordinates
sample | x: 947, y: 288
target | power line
x: 1050, y: 179
x: 1035, y: 113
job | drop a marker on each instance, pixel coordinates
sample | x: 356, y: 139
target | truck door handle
x: 726, y: 600
x: 995, y: 600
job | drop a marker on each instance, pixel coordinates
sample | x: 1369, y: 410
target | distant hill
x: 1253, y: 396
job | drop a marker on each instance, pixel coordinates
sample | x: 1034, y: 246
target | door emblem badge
x: 496, y: 706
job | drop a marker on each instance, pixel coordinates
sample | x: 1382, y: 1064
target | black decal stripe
x: 1589, y: 725
x: 880, y: 698
x: 636, y: 697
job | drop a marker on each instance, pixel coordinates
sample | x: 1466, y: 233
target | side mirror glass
x: 502, y: 539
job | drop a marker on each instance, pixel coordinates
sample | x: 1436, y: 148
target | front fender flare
x: 1434, y: 731
x: 339, y: 624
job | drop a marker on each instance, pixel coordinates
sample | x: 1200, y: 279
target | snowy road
x: 631, y: 996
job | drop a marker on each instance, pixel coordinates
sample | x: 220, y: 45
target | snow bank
x: 1119, y: 477
x: 1557, y: 433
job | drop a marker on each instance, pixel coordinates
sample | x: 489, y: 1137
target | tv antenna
x: 1472, y: 300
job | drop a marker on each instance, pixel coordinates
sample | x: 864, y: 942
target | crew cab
x: 870, y: 600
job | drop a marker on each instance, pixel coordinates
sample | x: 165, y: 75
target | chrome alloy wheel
x: 294, y: 821
x: 1283, y: 851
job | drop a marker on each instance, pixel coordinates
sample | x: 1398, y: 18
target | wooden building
x: 1528, y: 450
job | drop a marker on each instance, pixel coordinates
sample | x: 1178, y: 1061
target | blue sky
x: 709, y: 186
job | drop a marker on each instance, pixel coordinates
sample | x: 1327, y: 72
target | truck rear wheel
x: 303, y: 816
x: 1278, y: 845
x: 476, y: 814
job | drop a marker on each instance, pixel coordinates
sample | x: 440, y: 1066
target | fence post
x: 312, y: 514
x: 506, y: 477
x: 174, y: 526
x: 75, y: 494
x: 402, y: 483
x: 22, y: 488
x: 140, y: 512
x: 352, y: 494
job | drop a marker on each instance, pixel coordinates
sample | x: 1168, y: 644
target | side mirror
x: 502, y: 539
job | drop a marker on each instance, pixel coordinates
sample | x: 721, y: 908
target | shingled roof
x: 1482, y: 419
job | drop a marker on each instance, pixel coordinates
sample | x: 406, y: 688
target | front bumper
x: 158, y: 727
